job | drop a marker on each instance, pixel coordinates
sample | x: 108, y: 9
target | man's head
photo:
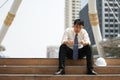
x: 78, y: 25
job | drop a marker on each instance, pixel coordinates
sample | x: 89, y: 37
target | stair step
x: 43, y: 69
x: 50, y: 61
x: 58, y: 77
x: 52, y: 69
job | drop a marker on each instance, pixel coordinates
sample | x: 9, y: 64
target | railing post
x: 9, y: 18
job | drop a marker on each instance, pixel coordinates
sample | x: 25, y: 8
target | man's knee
x: 62, y: 46
x: 87, y: 46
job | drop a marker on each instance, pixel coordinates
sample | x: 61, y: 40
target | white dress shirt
x: 69, y: 34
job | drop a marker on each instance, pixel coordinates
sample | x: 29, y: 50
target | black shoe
x: 60, y: 72
x: 91, y: 72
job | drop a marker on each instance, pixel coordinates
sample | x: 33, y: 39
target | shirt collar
x: 74, y: 31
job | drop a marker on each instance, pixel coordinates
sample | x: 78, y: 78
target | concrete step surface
x: 44, y: 68
x: 51, y: 61
x: 58, y: 77
x: 52, y: 69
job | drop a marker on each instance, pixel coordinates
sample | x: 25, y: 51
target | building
x: 108, y: 13
x: 111, y: 18
x: 72, y: 9
x: 52, y: 51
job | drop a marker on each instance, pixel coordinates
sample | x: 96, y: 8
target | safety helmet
x: 101, y: 62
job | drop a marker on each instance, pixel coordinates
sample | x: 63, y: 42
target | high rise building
x: 108, y: 13
x: 72, y: 9
x: 111, y: 19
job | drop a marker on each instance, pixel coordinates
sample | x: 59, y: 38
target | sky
x: 38, y: 24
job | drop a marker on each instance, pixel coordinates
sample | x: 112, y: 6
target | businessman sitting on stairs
x: 75, y: 45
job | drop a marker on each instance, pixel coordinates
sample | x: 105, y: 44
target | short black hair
x: 79, y: 22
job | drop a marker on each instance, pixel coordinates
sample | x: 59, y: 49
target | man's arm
x: 68, y: 42
x: 86, y: 39
x: 66, y: 38
x: 84, y: 42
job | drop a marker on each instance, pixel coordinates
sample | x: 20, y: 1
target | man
x: 67, y: 48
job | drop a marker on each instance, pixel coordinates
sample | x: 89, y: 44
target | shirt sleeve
x: 65, y: 36
x: 86, y: 37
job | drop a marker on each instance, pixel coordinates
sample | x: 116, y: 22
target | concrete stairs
x: 43, y: 69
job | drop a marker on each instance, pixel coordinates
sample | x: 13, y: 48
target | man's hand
x: 83, y: 42
x: 69, y: 42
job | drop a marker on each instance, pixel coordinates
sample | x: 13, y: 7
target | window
x: 111, y: 36
x: 106, y: 20
x: 116, y: 31
x: 111, y: 31
x: 106, y: 9
x: 105, y: 4
x: 106, y: 30
x: 73, y: 4
x: 116, y: 35
x: 111, y: 25
x: 77, y: 1
x: 73, y: 10
x: 111, y: 20
x: 115, y: 9
x: 106, y: 25
x: 106, y: 15
x: 73, y: 17
x: 106, y: 36
x: 115, y: 20
x: 116, y: 25
x: 73, y: 1
x: 111, y: 15
x: 116, y: 15
x: 110, y: 0
x: 111, y: 4
x: 115, y: 4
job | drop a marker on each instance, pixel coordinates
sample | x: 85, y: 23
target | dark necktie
x: 75, y: 48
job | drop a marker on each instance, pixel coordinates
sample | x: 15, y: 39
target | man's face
x: 77, y: 28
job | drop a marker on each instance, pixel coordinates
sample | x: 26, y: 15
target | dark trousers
x: 65, y: 51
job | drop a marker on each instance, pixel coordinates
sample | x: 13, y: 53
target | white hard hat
x: 101, y: 62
